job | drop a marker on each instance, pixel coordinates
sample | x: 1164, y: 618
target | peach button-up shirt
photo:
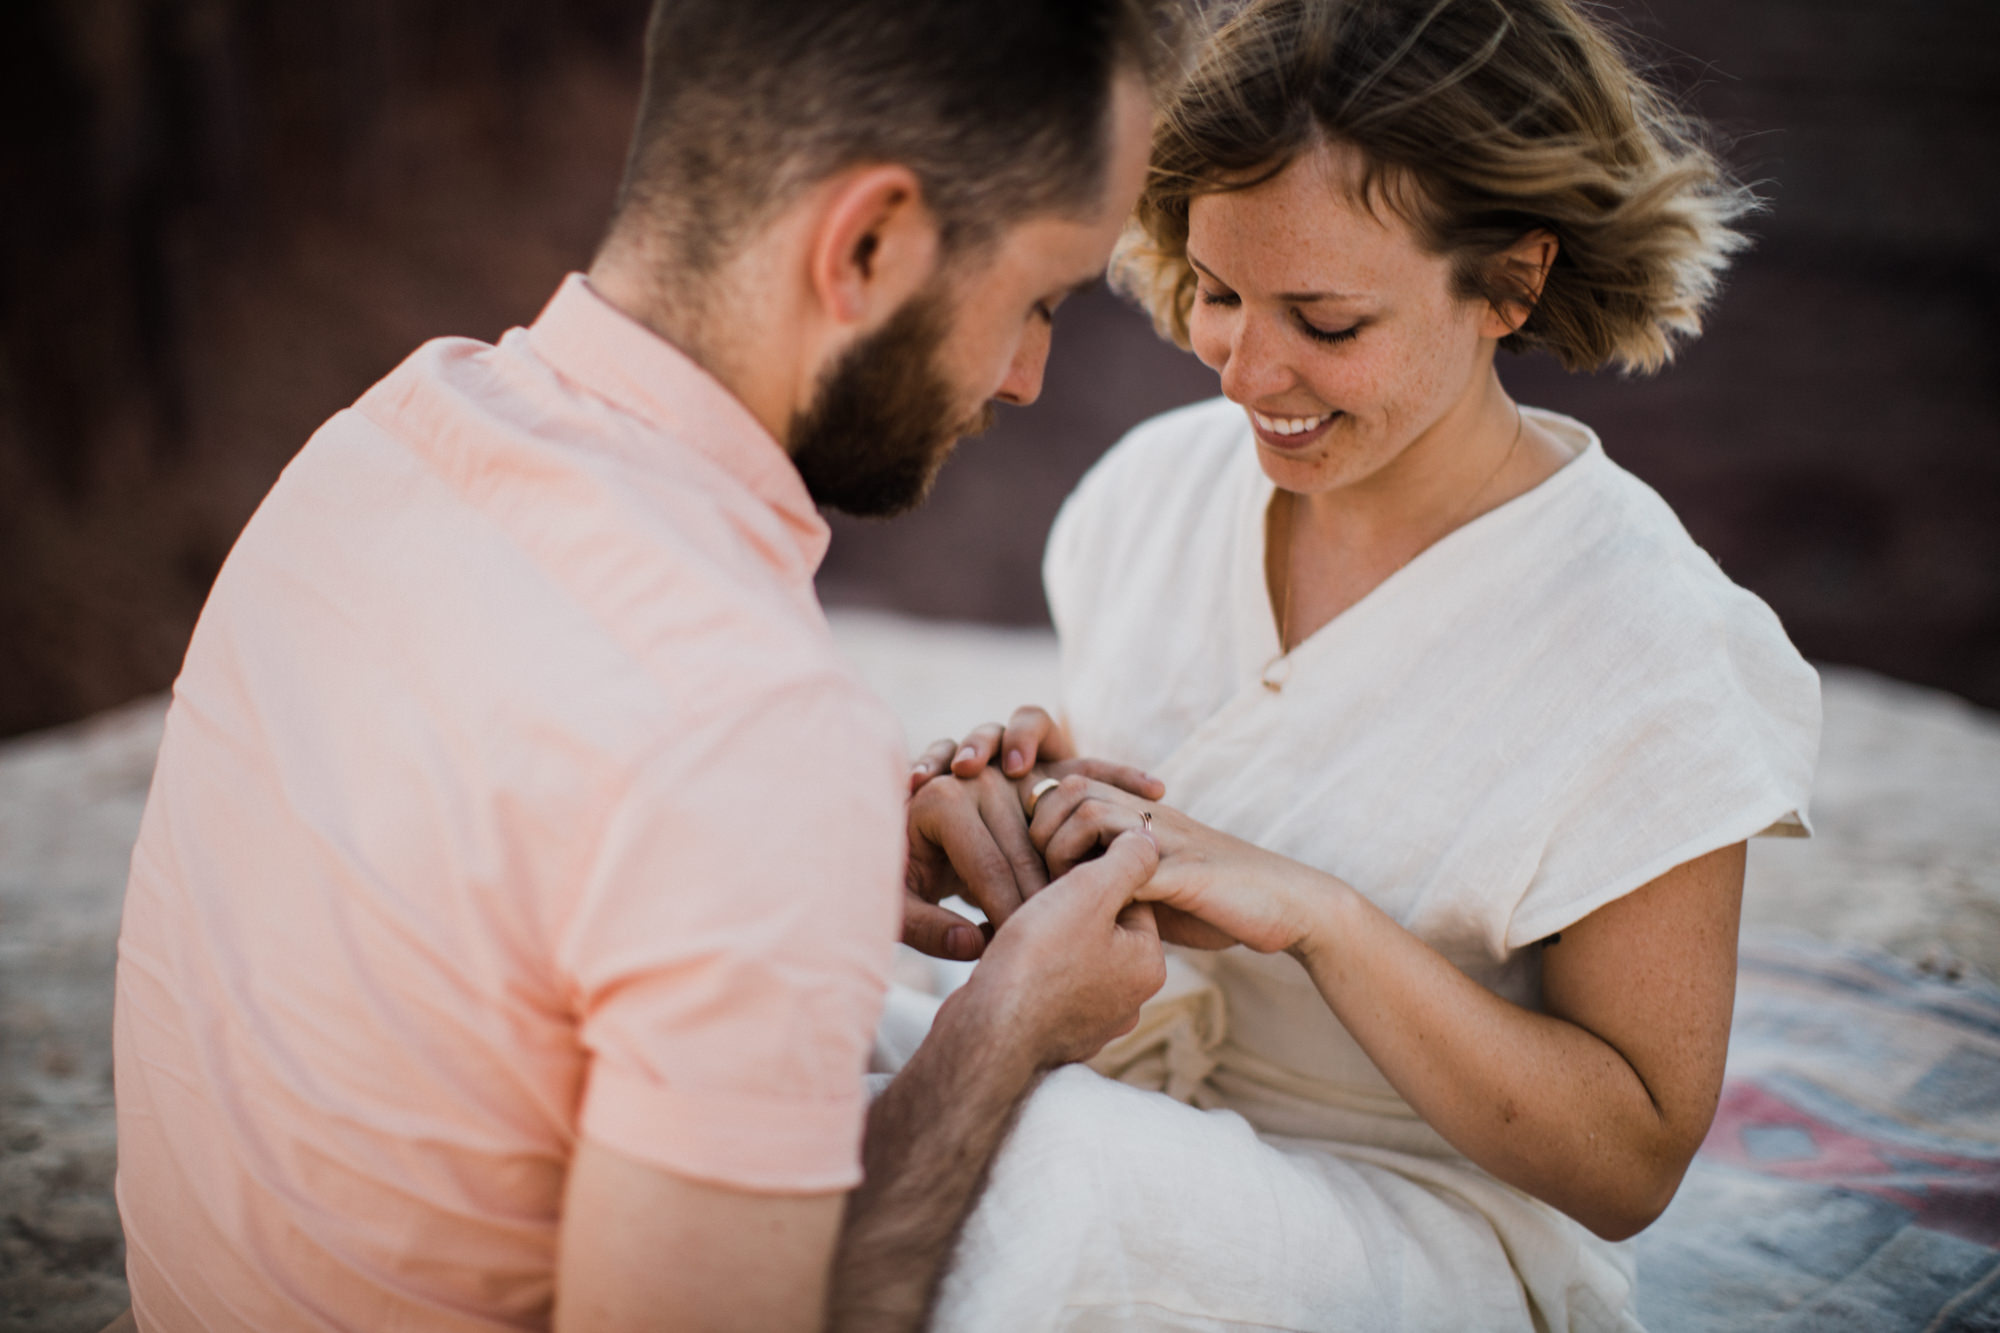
x: 513, y: 791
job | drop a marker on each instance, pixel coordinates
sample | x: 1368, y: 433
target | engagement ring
x: 1036, y: 792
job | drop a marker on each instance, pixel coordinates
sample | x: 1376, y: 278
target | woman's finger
x: 976, y: 751
x: 935, y: 759
x: 1140, y: 917
x: 1201, y: 920
x: 1178, y: 927
x: 1031, y: 735
x: 939, y: 931
x: 1122, y: 776
x: 1056, y: 803
x: 1088, y: 829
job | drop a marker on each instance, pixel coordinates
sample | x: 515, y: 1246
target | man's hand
x: 1066, y: 974
x: 968, y: 837
x: 1074, y: 963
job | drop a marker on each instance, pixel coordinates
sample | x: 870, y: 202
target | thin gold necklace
x: 1274, y: 679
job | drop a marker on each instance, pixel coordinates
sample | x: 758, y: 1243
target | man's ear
x: 1522, y: 269
x: 876, y: 245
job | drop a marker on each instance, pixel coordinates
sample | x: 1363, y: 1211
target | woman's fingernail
x: 967, y: 753
x: 1014, y: 761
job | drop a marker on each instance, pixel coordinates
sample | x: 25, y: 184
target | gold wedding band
x: 1036, y: 792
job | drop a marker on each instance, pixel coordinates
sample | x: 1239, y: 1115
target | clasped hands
x: 970, y: 835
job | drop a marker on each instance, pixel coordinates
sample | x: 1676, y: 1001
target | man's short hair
x: 999, y: 107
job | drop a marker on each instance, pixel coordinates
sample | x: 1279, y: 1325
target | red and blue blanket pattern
x: 1852, y: 1178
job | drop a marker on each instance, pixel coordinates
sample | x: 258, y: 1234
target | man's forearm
x: 931, y: 1136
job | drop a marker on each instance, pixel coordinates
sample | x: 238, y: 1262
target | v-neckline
x: 1257, y: 533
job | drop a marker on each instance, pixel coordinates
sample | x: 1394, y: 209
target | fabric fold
x: 1172, y: 1050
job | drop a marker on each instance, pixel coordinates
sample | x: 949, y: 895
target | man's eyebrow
x: 1295, y: 298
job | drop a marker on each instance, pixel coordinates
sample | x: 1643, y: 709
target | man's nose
x: 1023, y: 384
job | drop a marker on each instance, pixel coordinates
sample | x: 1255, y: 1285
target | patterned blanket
x: 1852, y: 1179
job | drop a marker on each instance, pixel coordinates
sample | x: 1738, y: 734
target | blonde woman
x: 1461, y: 733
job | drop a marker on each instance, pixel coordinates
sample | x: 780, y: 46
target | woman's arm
x: 1595, y: 1106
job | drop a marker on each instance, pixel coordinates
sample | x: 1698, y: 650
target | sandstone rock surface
x: 69, y: 809
x: 1906, y: 857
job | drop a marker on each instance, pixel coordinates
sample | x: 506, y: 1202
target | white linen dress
x: 1548, y: 708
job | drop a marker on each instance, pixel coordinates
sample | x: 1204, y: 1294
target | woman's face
x: 1337, y: 332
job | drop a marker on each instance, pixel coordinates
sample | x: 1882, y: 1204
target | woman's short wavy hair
x: 1479, y: 122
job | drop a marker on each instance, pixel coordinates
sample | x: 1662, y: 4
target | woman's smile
x: 1290, y: 433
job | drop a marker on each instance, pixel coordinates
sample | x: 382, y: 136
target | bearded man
x: 516, y: 895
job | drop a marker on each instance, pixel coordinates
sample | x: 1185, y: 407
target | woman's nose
x: 1256, y: 369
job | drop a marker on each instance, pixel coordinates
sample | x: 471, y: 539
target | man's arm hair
x: 932, y: 1134
x: 642, y: 1248
x: 1066, y: 973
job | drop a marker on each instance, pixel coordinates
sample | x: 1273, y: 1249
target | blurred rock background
x: 220, y: 220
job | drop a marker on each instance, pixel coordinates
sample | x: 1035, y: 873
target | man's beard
x: 882, y: 421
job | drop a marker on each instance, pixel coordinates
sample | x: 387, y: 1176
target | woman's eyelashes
x: 1320, y: 335
x: 1306, y: 326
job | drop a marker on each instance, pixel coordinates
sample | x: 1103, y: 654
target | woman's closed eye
x: 1320, y: 335
x: 1228, y: 299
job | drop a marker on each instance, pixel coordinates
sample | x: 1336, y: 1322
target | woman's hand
x: 1212, y: 890
x: 1030, y: 736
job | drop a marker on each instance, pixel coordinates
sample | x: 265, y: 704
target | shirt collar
x: 599, y: 347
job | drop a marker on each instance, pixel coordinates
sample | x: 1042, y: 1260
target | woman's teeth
x: 1291, y: 425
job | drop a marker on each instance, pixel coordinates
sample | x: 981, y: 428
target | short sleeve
x: 730, y: 951
x: 1708, y: 735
